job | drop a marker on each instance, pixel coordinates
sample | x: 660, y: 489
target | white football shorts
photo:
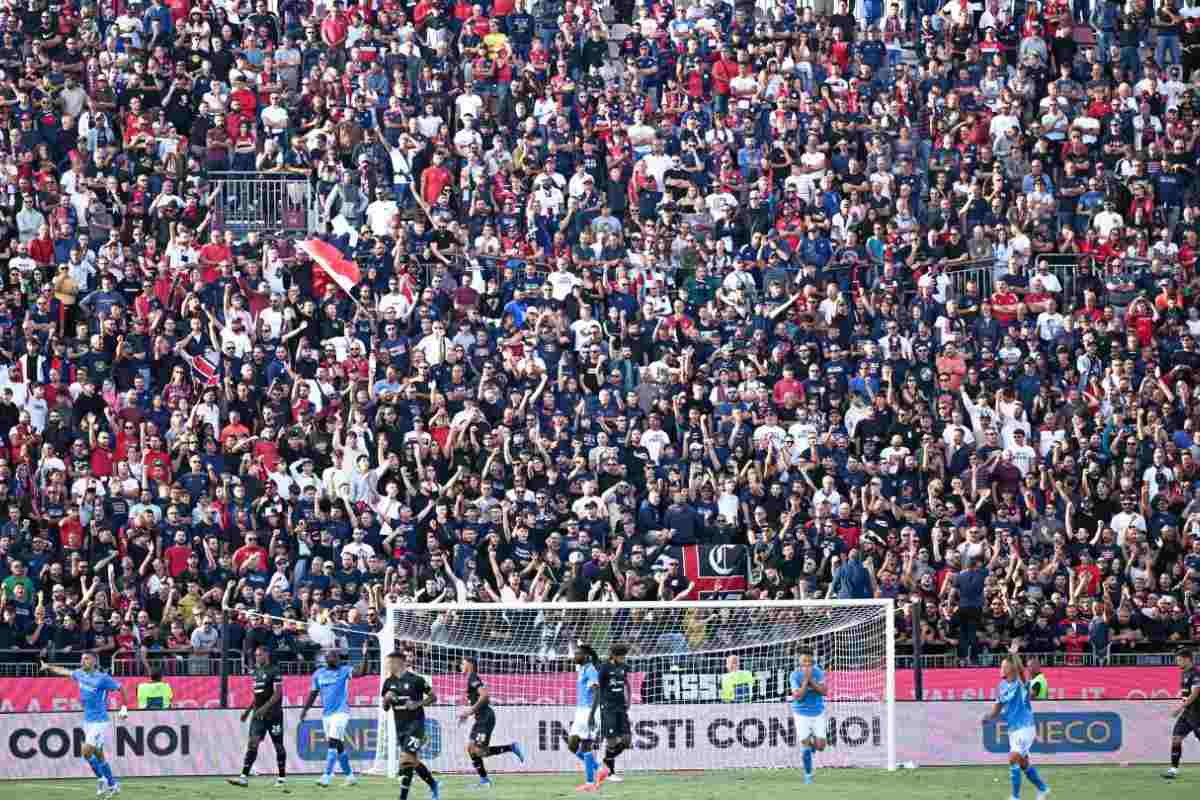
x: 95, y: 734
x: 1020, y: 741
x: 335, y: 725
x: 580, y: 726
x: 807, y: 726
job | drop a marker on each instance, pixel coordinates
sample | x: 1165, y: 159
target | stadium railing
x: 983, y: 273
x: 1153, y: 656
x: 278, y: 203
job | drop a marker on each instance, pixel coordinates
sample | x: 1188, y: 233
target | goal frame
x: 389, y: 764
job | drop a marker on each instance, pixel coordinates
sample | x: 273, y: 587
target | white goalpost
x: 709, y: 680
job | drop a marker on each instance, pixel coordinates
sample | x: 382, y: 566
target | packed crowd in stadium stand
x: 899, y: 299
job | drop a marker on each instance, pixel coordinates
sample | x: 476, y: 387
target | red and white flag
x: 206, y: 366
x: 343, y: 271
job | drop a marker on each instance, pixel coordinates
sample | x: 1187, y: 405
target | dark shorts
x: 270, y: 727
x: 614, y: 724
x: 410, y: 734
x: 481, y: 730
x: 1186, y: 726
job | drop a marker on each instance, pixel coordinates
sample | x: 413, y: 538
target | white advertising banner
x: 681, y: 736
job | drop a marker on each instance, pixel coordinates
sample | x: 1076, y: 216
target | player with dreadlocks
x: 612, y: 699
x: 581, y: 740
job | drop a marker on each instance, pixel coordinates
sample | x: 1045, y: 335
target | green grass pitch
x: 967, y: 783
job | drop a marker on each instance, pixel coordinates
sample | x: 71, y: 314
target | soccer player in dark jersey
x: 1187, y: 714
x: 266, y: 717
x: 612, y: 699
x: 406, y: 694
x: 479, y: 706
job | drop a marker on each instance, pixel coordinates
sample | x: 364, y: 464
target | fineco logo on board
x: 1063, y: 733
x: 361, y: 739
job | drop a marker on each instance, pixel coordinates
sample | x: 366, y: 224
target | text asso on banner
x: 163, y: 743
x: 1066, y: 683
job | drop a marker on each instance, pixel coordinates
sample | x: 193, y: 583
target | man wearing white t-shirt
x: 562, y: 282
x: 181, y: 253
x: 657, y: 164
x: 1050, y: 323
x: 468, y: 104
x: 655, y: 439
x: 1108, y: 219
x: 275, y: 316
x: 1003, y: 122
x: 1049, y: 281
x: 584, y: 327
x: 548, y: 196
x: 435, y: 345
x: 381, y: 212
x: 1023, y: 456
x: 467, y: 136
x: 828, y: 493
x: 1127, y: 520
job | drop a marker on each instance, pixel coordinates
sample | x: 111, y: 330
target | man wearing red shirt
x: 679, y: 319
x: 156, y: 461
x: 839, y: 50
x: 787, y: 385
x: 461, y: 11
x: 423, y: 9
x: 724, y: 71
x: 213, y: 254
x: 179, y: 10
x: 435, y: 178
x: 41, y: 248
x: 1038, y: 300
x: 101, y: 459
x: 791, y: 227
x: 1189, y: 251
x: 70, y: 530
x: 235, y: 431
x: 177, y: 555
x: 55, y: 388
x: 251, y: 552
x: 334, y: 28
x: 1006, y: 306
x: 266, y: 451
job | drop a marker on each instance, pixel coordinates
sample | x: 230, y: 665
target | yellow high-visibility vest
x: 737, y: 687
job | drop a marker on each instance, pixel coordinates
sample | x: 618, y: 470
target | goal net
x: 709, y: 681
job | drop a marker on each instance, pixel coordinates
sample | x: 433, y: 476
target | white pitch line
x: 66, y: 786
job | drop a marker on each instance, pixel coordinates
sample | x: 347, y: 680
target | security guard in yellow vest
x: 1039, y: 687
x: 737, y: 684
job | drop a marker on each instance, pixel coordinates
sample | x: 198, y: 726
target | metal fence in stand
x: 282, y: 204
x: 983, y: 274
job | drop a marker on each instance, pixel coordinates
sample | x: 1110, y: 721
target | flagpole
x: 356, y: 301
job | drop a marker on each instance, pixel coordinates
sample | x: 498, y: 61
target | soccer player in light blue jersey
x: 808, y: 710
x: 94, y: 687
x: 1014, y: 704
x: 332, y: 684
x: 581, y: 740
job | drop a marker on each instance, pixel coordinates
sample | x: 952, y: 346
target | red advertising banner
x: 1066, y: 683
